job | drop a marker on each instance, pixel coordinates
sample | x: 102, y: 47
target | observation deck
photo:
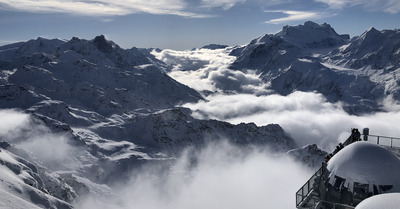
x: 309, y: 196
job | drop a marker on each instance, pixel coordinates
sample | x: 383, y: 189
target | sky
x: 185, y: 24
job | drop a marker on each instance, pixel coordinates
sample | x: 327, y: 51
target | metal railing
x: 388, y: 141
x: 306, y: 189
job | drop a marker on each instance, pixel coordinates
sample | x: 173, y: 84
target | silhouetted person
x: 327, y: 158
x: 356, y: 135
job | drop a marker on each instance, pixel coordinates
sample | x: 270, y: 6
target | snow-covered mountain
x: 375, y: 54
x: 359, y: 72
x: 93, y: 75
x: 96, y: 112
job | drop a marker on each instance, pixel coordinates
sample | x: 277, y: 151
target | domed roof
x: 386, y: 201
x: 367, y: 163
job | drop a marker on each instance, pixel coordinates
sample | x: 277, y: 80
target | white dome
x: 368, y: 163
x: 386, y: 201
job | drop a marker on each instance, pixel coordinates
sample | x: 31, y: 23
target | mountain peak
x: 308, y: 25
x: 311, y: 35
x: 313, y: 24
x: 41, y: 39
x: 370, y: 32
x: 100, y: 38
x: 102, y: 44
x: 372, y: 29
x: 214, y: 46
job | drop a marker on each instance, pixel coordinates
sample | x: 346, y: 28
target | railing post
x: 377, y: 141
x: 366, y: 133
x: 391, y: 142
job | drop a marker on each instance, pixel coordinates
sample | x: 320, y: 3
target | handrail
x: 385, y: 140
x: 305, y: 190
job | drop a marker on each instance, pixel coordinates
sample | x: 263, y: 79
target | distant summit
x: 214, y: 46
x: 312, y: 35
x: 102, y: 44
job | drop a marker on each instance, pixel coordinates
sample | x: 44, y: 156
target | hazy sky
x: 184, y: 24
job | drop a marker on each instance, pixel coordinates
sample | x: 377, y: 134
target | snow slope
x: 21, y: 185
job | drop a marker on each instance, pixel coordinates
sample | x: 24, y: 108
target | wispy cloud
x: 11, y: 121
x: 293, y: 16
x: 52, y: 149
x: 389, y: 6
x: 225, y: 4
x: 103, y: 7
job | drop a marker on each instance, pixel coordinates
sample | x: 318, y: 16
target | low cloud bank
x: 208, y: 70
x: 306, y: 116
x: 217, y: 176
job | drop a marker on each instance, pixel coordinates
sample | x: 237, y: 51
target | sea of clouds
x: 240, y: 96
x: 208, y: 70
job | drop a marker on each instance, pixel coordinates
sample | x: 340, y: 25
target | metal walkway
x: 307, y: 196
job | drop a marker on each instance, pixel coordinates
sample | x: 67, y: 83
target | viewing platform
x: 329, y: 190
